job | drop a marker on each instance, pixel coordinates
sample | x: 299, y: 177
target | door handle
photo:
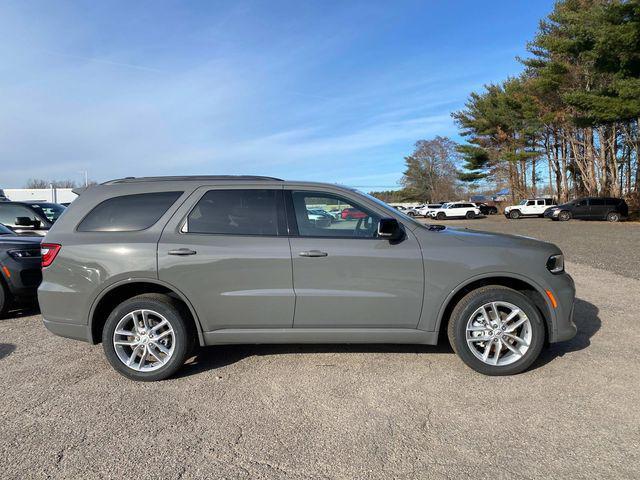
x: 313, y: 253
x: 182, y: 252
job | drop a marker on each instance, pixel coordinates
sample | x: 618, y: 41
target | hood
x: 17, y: 240
x: 478, y: 238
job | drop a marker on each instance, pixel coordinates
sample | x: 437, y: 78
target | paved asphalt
x: 345, y: 412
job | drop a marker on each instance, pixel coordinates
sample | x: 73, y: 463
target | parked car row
x: 590, y: 208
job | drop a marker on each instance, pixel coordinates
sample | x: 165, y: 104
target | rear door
x: 597, y: 208
x: 347, y: 277
x: 227, y: 251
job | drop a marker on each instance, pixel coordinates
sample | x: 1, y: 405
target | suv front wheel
x: 514, y: 214
x: 496, y: 331
x: 146, y: 337
x: 564, y: 216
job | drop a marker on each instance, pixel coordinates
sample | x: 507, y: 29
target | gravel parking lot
x: 344, y: 411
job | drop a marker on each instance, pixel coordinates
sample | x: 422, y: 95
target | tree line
x: 567, y: 125
x: 574, y: 109
x: 40, y: 183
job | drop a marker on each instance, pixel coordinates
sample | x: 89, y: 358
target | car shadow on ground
x: 214, y: 357
x: 588, y: 322
x: 21, y: 311
x: 6, y: 349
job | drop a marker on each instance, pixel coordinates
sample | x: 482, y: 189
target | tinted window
x: 235, y: 212
x: 580, y: 203
x: 612, y: 201
x: 327, y: 215
x: 51, y: 211
x: 530, y: 203
x: 596, y: 202
x: 10, y: 211
x: 549, y: 201
x: 5, y: 231
x: 128, y: 213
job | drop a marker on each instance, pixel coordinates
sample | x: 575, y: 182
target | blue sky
x: 311, y: 90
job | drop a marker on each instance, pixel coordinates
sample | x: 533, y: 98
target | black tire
x: 613, y: 217
x: 493, y: 211
x: 470, y: 215
x: 514, y: 214
x: 464, y: 310
x: 5, y: 299
x: 564, y: 216
x: 411, y: 214
x: 441, y: 216
x: 170, y: 309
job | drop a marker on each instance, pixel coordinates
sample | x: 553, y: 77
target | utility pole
x: 86, y: 177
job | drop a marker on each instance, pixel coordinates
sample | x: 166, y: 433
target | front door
x: 581, y: 209
x: 227, y: 251
x: 344, y: 275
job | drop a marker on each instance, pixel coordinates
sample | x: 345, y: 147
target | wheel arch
x: 516, y: 282
x: 116, y: 293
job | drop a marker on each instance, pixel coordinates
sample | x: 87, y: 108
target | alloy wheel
x: 144, y: 340
x: 499, y: 333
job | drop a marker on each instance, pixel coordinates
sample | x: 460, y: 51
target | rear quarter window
x: 128, y: 213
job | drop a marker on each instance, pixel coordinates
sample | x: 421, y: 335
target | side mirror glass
x: 390, y: 229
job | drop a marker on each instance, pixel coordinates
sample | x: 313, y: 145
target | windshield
x: 523, y: 202
x: 50, y: 210
x: 5, y: 231
x: 389, y: 207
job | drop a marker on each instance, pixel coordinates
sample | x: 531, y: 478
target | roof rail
x: 205, y: 178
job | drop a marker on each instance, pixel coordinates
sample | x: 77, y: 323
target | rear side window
x: 236, y: 212
x: 128, y: 213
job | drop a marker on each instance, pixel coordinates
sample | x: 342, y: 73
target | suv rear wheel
x: 470, y: 215
x: 146, y: 337
x: 496, y: 331
x: 613, y: 217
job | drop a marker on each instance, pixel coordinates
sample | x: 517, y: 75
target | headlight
x: 555, y: 212
x: 555, y: 264
x: 20, y: 254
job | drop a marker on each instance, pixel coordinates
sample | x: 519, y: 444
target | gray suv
x: 152, y: 267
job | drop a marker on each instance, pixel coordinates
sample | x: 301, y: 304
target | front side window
x: 235, y: 212
x: 128, y: 213
x: 597, y: 202
x: 326, y: 215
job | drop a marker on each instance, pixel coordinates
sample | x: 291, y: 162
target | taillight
x: 49, y: 252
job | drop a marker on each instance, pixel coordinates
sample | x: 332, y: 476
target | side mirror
x: 390, y: 229
x: 24, y: 222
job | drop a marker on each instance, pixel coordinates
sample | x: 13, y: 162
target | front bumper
x: 564, y: 291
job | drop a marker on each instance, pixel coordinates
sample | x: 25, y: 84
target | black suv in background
x: 20, y: 272
x: 590, y: 208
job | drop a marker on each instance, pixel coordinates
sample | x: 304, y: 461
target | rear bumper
x: 69, y: 330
